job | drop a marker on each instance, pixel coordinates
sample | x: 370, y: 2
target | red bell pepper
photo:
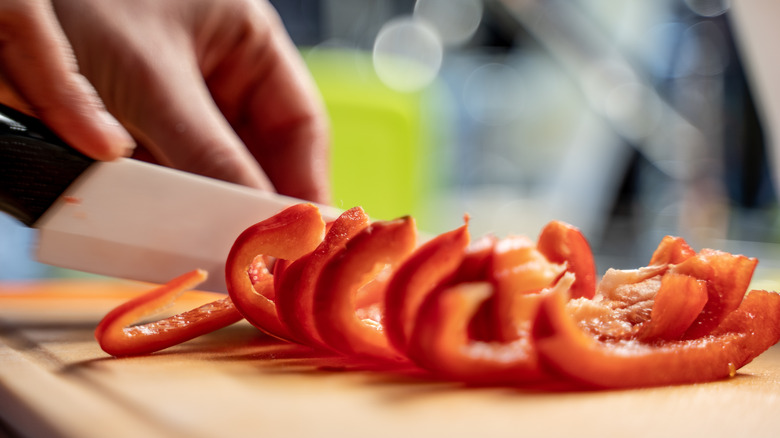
x: 295, y: 297
x: 564, y: 243
x: 118, y: 337
x: 288, y: 235
x: 441, y: 342
x: 491, y: 312
x: 678, y: 302
x: 672, y: 250
x: 381, y: 244
x: 517, y: 270
x: 432, y: 263
x: 476, y: 262
x: 728, y: 277
x: 578, y: 355
x: 476, y: 266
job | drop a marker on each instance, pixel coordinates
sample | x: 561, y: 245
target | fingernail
x: 129, y: 151
x: 121, y: 141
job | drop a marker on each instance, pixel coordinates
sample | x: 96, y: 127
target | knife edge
x: 141, y: 221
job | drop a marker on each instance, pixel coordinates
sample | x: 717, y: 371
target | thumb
x: 38, y: 63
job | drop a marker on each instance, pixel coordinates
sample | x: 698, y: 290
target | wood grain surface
x: 56, y: 382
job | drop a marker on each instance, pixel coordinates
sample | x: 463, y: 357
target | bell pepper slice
x: 295, y: 300
x: 442, y: 344
x: 429, y: 265
x: 380, y: 244
x: 564, y: 243
x: 288, y: 235
x: 118, y: 337
x: 517, y: 268
x: 284, y: 283
x: 476, y: 266
x: 476, y: 262
x: 678, y: 303
x: 279, y: 267
x: 259, y: 306
x: 672, y: 250
x: 728, y: 277
x: 575, y: 354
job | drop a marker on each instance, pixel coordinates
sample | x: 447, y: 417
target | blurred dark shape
x: 702, y: 80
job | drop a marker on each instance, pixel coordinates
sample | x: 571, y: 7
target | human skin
x: 214, y: 87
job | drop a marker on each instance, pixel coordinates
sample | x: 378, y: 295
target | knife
x: 124, y: 218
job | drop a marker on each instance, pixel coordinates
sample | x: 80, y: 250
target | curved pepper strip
x: 672, y: 250
x: 517, y: 269
x: 743, y: 335
x: 370, y: 251
x: 285, y: 284
x: 288, y: 235
x: 117, y: 337
x: 476, y: 266
x: 476, y: 262
x: 441, y: 341
x: 281, y: 265
x: 678, y: 303
x: 295, y: 300
x: 728, y: 277
x: 429, y: 265
x: 561, y: 242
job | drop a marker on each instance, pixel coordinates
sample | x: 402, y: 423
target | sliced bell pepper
x: 476, y: 262
x: 564, y: 243
x: 442, y: 344
x: 672, y: 250
x: 578, y: 355
x: 678, y: 302
x: 517, y: 269
x: 490, y: 312
x: 475, y: 267
x: 428, y: 266
x: 288, y: 235
x: 728, y: 278
x: 117, y: 337
x: 295, y: 298
x: 380, y: 244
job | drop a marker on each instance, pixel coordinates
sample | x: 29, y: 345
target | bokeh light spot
x: 407, y: 54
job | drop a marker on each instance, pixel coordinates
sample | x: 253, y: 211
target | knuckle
x: 256, y: 18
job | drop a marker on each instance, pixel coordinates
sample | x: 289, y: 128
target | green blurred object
x: 383, y: 141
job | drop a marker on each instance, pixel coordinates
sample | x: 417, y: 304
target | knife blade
x: 125, y: 218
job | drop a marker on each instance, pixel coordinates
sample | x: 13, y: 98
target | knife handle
x: 36, y: 166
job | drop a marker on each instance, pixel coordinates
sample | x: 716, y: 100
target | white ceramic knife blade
x: 140, y: 221
x: 125, y: 218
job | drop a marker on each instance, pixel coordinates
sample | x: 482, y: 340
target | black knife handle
x: 36, y: 166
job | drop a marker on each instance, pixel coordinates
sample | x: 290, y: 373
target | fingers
x: 38, y: 63
x: 139, y: 56
x: 269, y: 96
x: 215, y: 88
x: 180, y: 125
x: 296, y: 136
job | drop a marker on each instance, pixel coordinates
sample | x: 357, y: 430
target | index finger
x: 37, y: 61
x: 266, y: 92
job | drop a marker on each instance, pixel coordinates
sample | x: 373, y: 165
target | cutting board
x: 56, y: 382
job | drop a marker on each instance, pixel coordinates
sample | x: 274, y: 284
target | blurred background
x: 630, y: 119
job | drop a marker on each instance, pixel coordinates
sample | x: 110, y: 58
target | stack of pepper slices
x: 490, y: 312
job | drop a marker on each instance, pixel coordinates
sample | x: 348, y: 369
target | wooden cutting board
x: 56, y: 382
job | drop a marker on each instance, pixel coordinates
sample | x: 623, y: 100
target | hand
x: 214, y: 87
